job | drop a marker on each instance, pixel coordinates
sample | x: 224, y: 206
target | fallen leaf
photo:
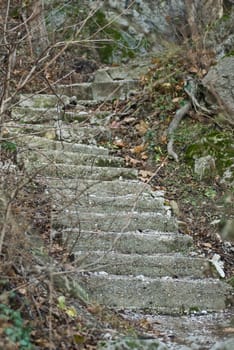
x: 129, y: 119
x: 163, y: 139
x: 142, y: 127
x: 207, y: 245
x: 144, y: 175
x: 204, y: 72
x: 131, y: 161
x: 23, y: 291
x: 71, y: 311
x: 138, y: 149
x: 176, y: 99
x: 114, y: 125
x: 79, y: 338
x: 94, y: 309
x: 119, y: 143
x: 144, y: 156
x: 166, y: 85
x: 193, y: 69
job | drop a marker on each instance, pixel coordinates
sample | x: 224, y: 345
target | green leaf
x: 61, y: 302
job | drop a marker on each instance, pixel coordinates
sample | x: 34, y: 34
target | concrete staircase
x: 124, y: 239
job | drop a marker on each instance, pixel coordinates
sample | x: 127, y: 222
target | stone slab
x: 117, y: 221
x: 73, y: 201
x: 39, y: 143
x: 39, y: 100
x: 105, y: 91
x: 81, y: 171
x: 157, y: 265
x: 31, y: 115
x: 73, y: 158
x: 146, y: 242
x: 164, y: 295
x: 108, y: 188
x: 83, y: 91
x: 100, y: 91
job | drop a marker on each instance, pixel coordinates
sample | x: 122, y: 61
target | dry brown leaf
x: 145, y: 174
x: 138, y: 149
x: 163, y: 139
x: 176, y: 99
x: 129, y: 119
x: 23, y: 291
x: 207, y: 245
x: 142, y: 127
x: 144, y: 156
x: 119, y: 143
x: 193, y: 69
x: 94, y: 309
x: 166, y: 85
x: 131, y: 161
x: 204, y: 72
x: 114, y: 125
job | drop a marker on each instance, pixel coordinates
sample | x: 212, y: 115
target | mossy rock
x: 218, y: 144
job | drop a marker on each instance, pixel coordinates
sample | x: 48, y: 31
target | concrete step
x: 40, y: 130
x: 39, y: 143
x: 32, y: 115
x: 146, y: 242
x: 73, y: 158
x: 73, y: 201
x: 101, y: 187
x: 89, y: 134
x: 80, y: 171
x: 100, y: 91
x: 121, y: 72
x: 135, y: 242
x: 35, y: 115
x: 164, y: 295
x: 116, y: 221
x: 41, y: 100
x: 72, y: 132
x: 156, y: 265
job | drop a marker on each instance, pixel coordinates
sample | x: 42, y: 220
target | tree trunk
x: 37, y: 27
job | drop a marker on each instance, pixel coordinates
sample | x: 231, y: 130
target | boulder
x: 219, y: 83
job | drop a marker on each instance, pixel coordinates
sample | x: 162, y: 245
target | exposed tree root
x: 191, y: 90
x: 173, y: 126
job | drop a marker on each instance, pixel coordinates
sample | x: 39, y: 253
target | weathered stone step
x: 150, y: 243
x: 73, y: 158
x: 73, y: 201
x: 102, y: 187
x: 81, y: 171
x: 41, y: 130
x: 36, y: 142
x: 100, y: 91
x: 48, y: 101
x: 34, y: 115
x: 164, y: 295
x: 31, y: 115
x: 41, y: 100
x: 67, y: 132
x: 117, y: 221
x: 121, y: 72
x: 157, y: 265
